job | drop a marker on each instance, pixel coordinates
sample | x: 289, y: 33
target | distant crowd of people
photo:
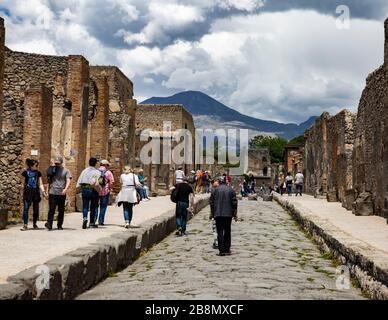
x: 201, y: 180
x: 95, y: 185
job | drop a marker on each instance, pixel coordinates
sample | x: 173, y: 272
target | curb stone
x: 80, y: 270
x: 366, y: 264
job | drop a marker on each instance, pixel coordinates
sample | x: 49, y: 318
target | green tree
x: 298, y: 140
x: 274, y: 144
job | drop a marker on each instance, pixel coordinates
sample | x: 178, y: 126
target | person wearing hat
x: 90, y: 187
x: 106, y: 182
x: 59, y: 179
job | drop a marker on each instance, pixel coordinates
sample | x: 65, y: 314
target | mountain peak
x: 206, y: 110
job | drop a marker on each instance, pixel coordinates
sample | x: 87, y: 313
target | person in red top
x: 106, y: 182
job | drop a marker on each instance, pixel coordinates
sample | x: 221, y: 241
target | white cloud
x: 282, y: 65
x: 163, y: 19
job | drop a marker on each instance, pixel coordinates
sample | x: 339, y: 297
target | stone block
x: 363, y: 206
x: 34, y: 279
x: 349, y: 198
x: 72, y: 272
x: 332, y: 196
x: 267, y: 197
x: 14, y: 291
x: 3, y: 219
x: 252, y: 197
x: 130, y: 253
x: 120, y: 248
x: 91, y: 257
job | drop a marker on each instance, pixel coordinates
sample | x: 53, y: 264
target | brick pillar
x: 78, y: 93
x: 386, y: 43
x: 99, y: 133
x: 131, y: 110
x: 37, y: 136
x: 2, y: 40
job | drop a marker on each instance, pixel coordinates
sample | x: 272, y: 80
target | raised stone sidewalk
x: 79, y: 259
x: 356, y: 241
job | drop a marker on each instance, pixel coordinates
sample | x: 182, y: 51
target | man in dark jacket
x: 223, y: 206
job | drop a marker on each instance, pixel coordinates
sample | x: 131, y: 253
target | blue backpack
x: 32, y: 179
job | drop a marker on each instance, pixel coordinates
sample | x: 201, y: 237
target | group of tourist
x: 286, y: 184
x: 223, y: 204
x: 95, y: 185
x: 247, y: 187
x: 200, y: 180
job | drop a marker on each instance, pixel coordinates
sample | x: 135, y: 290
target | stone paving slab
x: 359, y: 241
x: 78, y: 259
x: 271, y: 259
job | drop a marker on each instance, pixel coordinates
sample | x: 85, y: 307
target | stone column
x: 78, y: 94
x: 37, y: 134
x: 131, y: 111
x: 2, y: 41
x: 99, y: 133
x: 386, y: 43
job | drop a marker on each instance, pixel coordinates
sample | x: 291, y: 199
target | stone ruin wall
x: 316, y: 157
x: 2, y: 49
x: 68, y: 80
x: 328, y: 157
x: 22, y: 71
x: 121, y: 118
x: 259, y: 162
x: 370, y: 158
x: 340, y: 141
x: 152, y: 117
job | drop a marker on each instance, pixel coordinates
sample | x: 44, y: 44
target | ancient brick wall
x: 78, y: 93
x: 370, y: 158
x: 99, y: 119
x: 340, y: 141
x: 316, y: 157
x: 293, y: 159
x: 152, y: 117
x: 22, y: 71
x: 328, y: 157
x: 37, y: 137
x: 259, y: 162
x: 2, y: 42
x: 38, y: 125
x: 68, y: 79
x: 121, y: 119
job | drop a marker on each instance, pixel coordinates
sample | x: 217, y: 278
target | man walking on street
x: 59, y: 179
x: 223, y: 206
x: 90, y: 188
x: 184, y: 205
x: 299, y: 183
x: 106, y: 181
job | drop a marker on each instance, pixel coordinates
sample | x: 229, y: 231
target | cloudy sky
x: 272, y: 59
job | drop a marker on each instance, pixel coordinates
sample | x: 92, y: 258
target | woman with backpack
x: 128, y: 196
x: 33, y: 185
x: 106, y: 182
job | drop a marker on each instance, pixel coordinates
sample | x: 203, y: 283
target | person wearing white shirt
x: 179, y: 176
x: 299, y: 183
x: 90, y: 188
x: 128, y: 194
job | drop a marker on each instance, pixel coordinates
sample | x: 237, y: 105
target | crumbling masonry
x: 371, y: 144
x: 60, y: 106
x: 346, y: 156
x: 155, y: 118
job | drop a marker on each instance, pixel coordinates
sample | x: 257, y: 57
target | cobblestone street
x: 272, y: 259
